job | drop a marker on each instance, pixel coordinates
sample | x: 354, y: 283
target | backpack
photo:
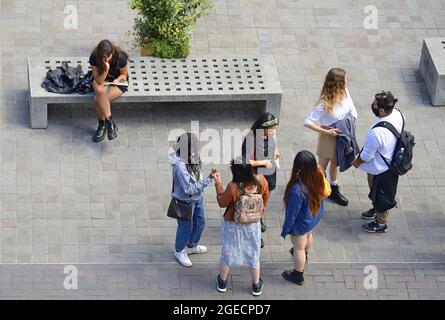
x: 249, y: 207
x: 402, y: 157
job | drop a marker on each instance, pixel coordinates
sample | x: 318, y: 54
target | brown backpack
x: 249, y: 207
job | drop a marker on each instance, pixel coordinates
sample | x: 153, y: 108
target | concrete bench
x: 199, y: 78
x: 432, y: 69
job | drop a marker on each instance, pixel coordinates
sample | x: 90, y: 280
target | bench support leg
x: 38, y: 115
x: 273, y: 105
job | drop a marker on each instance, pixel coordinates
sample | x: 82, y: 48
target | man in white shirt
x: 377, y: 153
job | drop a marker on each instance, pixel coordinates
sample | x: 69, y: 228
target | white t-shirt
x: 380, y: 140
x: 341, y: 110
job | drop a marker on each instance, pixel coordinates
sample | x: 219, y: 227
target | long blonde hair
x: 334, y: 88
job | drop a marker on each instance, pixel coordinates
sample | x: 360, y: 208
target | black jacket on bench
x: 67, y: 80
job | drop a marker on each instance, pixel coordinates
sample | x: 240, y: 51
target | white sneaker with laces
x: 198, y: 249
x: 183, y: 258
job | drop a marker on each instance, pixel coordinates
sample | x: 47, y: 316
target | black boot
x: 101, y: 131
x: 111, y: 128
x: 337, y: 197
x: 294, y: 276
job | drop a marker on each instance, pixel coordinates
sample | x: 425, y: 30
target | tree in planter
x: 165, y: 26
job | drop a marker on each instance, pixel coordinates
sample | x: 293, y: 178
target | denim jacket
x: 186, y: 188
x: 298, y: 219
x: 346, y: 147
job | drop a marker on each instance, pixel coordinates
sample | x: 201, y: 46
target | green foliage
x: 165, y: 25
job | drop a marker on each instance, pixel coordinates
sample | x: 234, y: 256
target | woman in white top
x: 335, y: 103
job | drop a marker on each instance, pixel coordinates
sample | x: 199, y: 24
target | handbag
x: 327, y: 190
x: 179, y: 209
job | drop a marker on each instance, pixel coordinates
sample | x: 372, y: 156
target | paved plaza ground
x: 102, y: 207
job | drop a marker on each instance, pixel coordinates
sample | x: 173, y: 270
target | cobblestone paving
x: 65, y: 200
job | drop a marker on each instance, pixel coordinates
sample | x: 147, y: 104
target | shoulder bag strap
x: 227, y: 209
x: 390, y: 127
x: 403, y: 119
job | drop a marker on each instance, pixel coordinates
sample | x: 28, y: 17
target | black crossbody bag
x: 179, y: 209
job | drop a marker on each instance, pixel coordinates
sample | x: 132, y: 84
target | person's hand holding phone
x: 277, y: 158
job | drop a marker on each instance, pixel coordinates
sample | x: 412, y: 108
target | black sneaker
x: 337, y: 197
x: 293, y: 276
x: 101, y: 131
x: 291, y: 251
x: 111, y: 128
x: 374, y: 227
x: 371, y: 214
x: 221, y: 285
x: 257, y: 288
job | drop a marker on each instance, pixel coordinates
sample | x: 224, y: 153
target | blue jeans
x: 189, y: 232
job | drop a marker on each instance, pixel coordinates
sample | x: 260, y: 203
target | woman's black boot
x: 294, y: 276
x: 111, y: 128
x: 101, y: 131
x: 337, y: 197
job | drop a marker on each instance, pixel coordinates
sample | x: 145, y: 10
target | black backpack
x: 402, y: 157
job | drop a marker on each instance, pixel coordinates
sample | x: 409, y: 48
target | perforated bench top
x: 189, y: 79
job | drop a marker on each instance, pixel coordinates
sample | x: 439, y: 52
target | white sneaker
x: 198, y: 249
x: 183, y: 259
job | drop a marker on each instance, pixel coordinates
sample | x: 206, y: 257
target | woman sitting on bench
x: 110, y: 72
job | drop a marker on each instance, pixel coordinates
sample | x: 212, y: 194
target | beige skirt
x: 326, y: 146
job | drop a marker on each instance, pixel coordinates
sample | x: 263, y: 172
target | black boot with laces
x: 101, y: 131
x: 337, y: 197
x: 294, y: 276
x: 111, y: 128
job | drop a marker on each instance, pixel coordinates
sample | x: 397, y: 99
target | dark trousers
x: 383, y: 190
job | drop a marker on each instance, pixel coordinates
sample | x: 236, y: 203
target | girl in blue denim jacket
x: 303, y: 198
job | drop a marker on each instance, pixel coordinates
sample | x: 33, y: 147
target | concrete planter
x: 146, y: 52
x: 432, y: 69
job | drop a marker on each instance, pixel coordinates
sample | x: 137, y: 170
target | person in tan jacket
x: 240, y: 243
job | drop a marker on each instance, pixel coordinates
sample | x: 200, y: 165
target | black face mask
x: 375, y: 111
